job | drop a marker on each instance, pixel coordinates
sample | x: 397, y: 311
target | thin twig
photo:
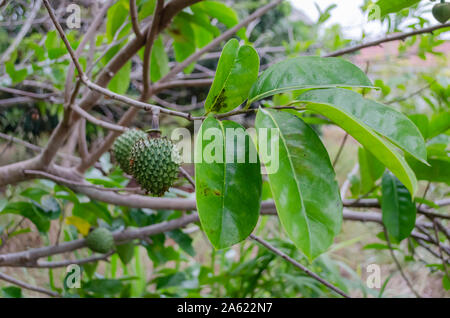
x: 395, y: 37
x: 134, y: 19
x: 441, y: 255
x: 298, y: 265
x: 399, y: 267
x: 187, y: 176
x: 97, y: 121
x: 344, y: 140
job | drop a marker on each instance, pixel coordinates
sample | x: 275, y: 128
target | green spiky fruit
x: 441, y: 12
x: 100, y: 240
x: 122, y: 147
x: 154, y: 163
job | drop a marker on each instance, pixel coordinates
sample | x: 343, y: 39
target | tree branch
x: 134, y: 19
x: 390, y: 38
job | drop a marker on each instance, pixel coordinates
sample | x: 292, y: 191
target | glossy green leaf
x: 159, y: 63
x: 398, y: 209
x: 370, y: 170
x: 382, y: 149
x: 237, y: 70
x: 304, y: 186
x: 228, y: 182
x: 382, y: 119
x: 307, y: 72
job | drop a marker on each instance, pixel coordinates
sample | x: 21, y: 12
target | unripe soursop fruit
x: 441, y: 12
x: 154, y: 163
x: 100, y: 240
x: 122, y: 147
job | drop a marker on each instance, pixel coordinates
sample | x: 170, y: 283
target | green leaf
x: 370, y: 170
x: 103, y: 287
x: 31, y: 212
x: 146, y: 8
x: 382, y: 149
x: 121, y: 81
x: 34, y: 193
x: 221, y: 12
x: 159, y: 63
x: 393, y: 6
x: 184, y: 38
x: 398, y: 209
x: 437, y: 171
x: 54, y: 45
x: 16, y: 76
x: 125, y: 252
x: 439, y: 124
x: 116, y: 16
x: 304, y: 186
x: 421, y: 121
x: 228, y: 182
x: 382, y: 119
x: 307, y: 72
x: 183, y: 240
x: 12, y: 292
x: 237, y: 70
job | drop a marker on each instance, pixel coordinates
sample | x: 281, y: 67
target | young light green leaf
x: 121, y: 81
x: 159, y: 63
x: 116, y: 16
x: 228, y: 182
x: 236, y: 72
x: 307, y: 72
x: 384, y: 120
x: 304, y: 186
x: 399, y: 211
